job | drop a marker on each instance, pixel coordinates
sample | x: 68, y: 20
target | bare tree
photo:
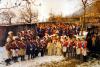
x: 27, y: 13
x: 6, y: 13
x: 7, y: 16
x: 84, y: 2
x: 51, y: 17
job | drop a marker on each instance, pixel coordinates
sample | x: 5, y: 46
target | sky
x: 64, y: 7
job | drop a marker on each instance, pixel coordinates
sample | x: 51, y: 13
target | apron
x: 64, y: 49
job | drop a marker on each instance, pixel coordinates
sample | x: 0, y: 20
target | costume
x: 65, y: 43
x: 59, y: 48
x: 84, y: 50
x: 8, y: 53
x: 50, y: 48
x: 78, y: 49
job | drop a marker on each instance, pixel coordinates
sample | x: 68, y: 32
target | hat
x: 22, y: 31
x: 28, y: 30
x: 15, y: 37
x: 22, y: 38
x: 10, y: 32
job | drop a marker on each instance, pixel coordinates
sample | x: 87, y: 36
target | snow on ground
x: 2, y: 53
x: 36, y: 61
x: 46, y: 60
x: 30, y: 63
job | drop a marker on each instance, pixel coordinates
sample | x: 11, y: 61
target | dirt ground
x: 72, y: 63
x: 63, y: 63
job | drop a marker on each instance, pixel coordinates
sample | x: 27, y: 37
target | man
x: 22, y: 50
x: 37, y: 47
x: 73, y: 47
x: 42, y: 46
x: 8, y: 51
x: 64, y: 43
x: 29, y: 49
x: 33, y: 48
x: 15, y: 48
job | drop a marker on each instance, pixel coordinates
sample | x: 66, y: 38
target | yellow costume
x: 59, y: 48
x: 50, y: 48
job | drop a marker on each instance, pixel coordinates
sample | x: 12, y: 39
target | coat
x: 22, y: 49
x: 65, y: 46
x: 78, y: 47
x: 84, y: 48
x: 8, y: 51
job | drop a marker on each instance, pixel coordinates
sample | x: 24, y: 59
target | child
x: 78, y: 48
x: 84, y: 49
x: 65, y: 43
x: 8, y: 52
x: 59, y: 47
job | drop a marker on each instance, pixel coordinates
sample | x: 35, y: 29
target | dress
x: 59, y: 48
x: 50, y: 48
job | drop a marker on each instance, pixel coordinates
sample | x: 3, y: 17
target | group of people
x: 68, y: 47
x: 23, y: 44
x: 46, y: 39
x: 57, y: 28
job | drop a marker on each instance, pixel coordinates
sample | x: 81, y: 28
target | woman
x: 54, y: 48
x: 49, y: 47
x: 59, y: 47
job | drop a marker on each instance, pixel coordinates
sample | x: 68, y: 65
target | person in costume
x: 8, y: 51
x: 64, y: 44
x: 78, y: 48
x: 69, y: 47
x: 15, y: 48
x: 22, y: 49
x: 49, y: 48
x: 54, y: 46
x: 59, y: 47
x: 73, y: 47
x: 84, y: 50
x: 10, y: 35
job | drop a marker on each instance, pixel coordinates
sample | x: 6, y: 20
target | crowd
x: 48, y: 39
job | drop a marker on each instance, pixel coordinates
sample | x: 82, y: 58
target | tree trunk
x: 10, y: 21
